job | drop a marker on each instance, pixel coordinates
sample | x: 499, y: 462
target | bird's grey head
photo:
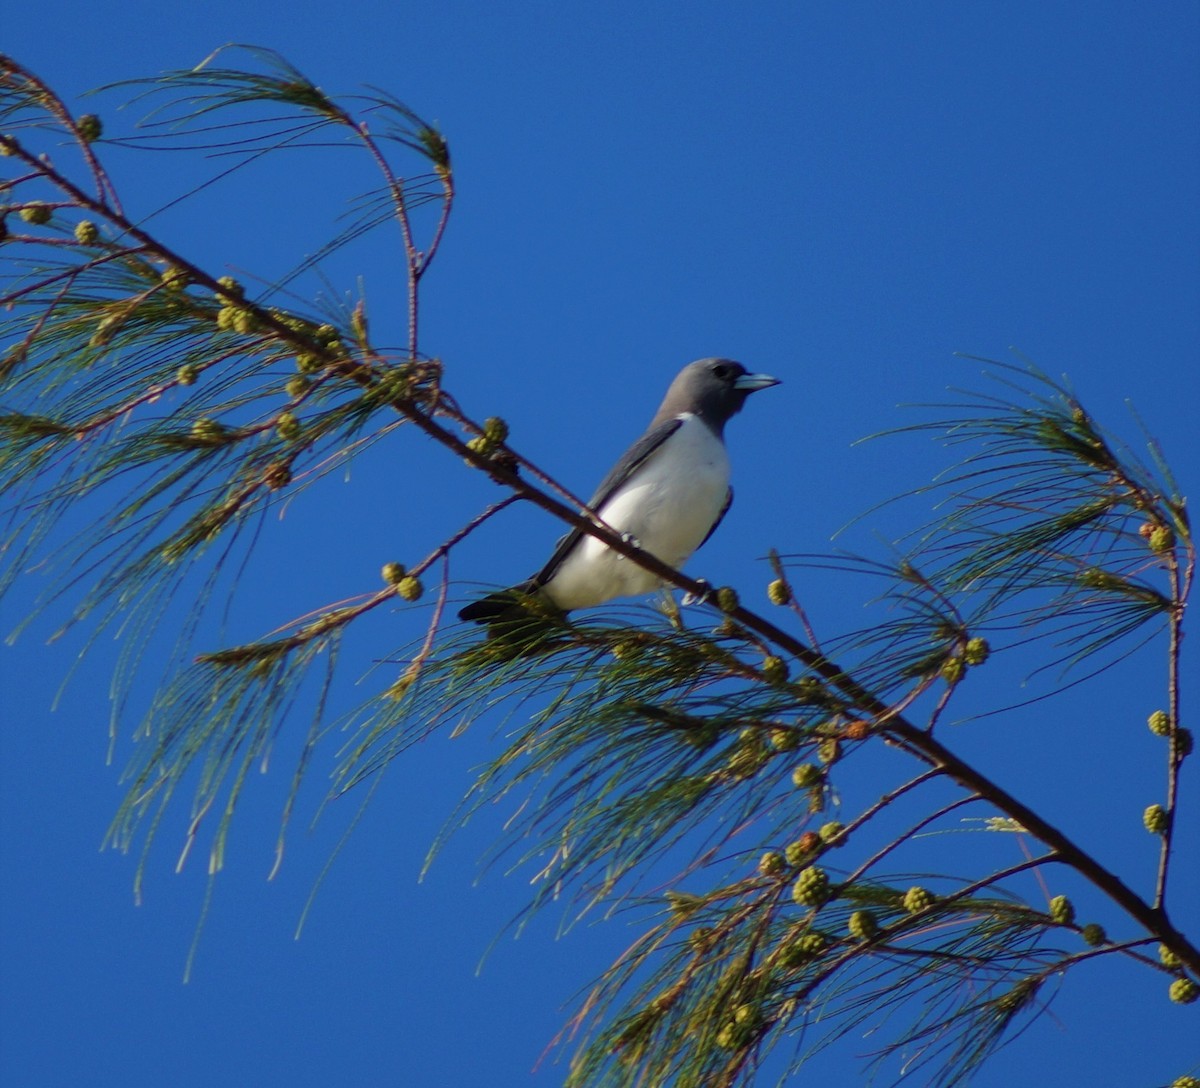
x: 713, y: 389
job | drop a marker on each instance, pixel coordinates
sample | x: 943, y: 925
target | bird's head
x: 713, y: 389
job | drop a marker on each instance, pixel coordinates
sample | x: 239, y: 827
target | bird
x: 667, y: 494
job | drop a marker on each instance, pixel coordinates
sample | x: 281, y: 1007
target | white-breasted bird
x: 668, y: 493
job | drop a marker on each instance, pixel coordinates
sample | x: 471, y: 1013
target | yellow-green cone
x: 1161, y: 539
x: 1155, y: 819
x: 771, y: 863
x: 778, y: 592
x: 811, y: 888
x: 1093, y: 934
x: 727, y: 599
x: 1184, y: 991
x: 862, y: 925
x: 783, y: 740
x: 807, y: 774
x: 952, y: 670
x: 1167, y: 958
x: 287, y: 426
x: 775, y: 670
x: 797, y: 852
x: 1061, y: 910
x: 916, y: 899
x: 976, y: 651
x: 89, y: 127
x: 410, y: 588
x: 36, y: 213
x: 805, y: 949
x: 831, y: 833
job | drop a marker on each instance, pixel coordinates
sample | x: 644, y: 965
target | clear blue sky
x: 839, y: 194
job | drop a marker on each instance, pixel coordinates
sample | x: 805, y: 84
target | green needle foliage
x: 153, y: 411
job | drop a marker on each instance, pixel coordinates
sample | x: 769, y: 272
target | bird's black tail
x: 496, y: 607
x: 520, y: 622
x: 516, y: 605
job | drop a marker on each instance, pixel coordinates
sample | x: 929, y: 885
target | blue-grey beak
x: 749, y: 383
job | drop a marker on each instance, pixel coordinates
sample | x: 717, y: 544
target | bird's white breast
x: 668, y: 506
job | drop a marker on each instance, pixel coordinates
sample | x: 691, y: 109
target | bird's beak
x: 750, y: 383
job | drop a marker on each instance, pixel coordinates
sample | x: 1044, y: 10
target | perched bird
x: 668, y: 493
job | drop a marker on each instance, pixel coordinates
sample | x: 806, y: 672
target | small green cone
x: 952, y: 670
x: 862, y: 925
x: 287, y: 426
x: 727, y: 599
x: 481, y: 445
x: 917, y: 899
x: 1061, y: 910
x: 810, y: 689
x: 1161, y: 539
x: 747, y: 1015
x: 1093, y: 934
x: 775, y: 670
x: 232, y: 289
x: 805, y: 949
x: 1168, y: 958
x: 797, y: 852
x: 831, y: 833
x: 806, y: 775
x: 174, y: 279
x: 811, y: 888
x: 89, y: 127
x: 1156, y: 820
x: 783, y: 740
x: 976, y: 651
x: 814, y: 943
x: 496, y: 429
x: 410, y: 588
x: 778, y: 592
x: 771, y: 863
x: 1184, y: 991
x: 36, y: 213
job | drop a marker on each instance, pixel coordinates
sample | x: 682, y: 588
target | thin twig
x: 1174, y: 748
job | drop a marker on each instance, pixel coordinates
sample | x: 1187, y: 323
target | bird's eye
x: 723, y: 371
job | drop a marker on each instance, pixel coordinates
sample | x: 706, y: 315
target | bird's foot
x: 705, y: 592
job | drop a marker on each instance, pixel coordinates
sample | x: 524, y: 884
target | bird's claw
x: 704, y: 593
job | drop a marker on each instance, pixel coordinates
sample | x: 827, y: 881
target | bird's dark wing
x: 630, y: 462
x: 720, y: 518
